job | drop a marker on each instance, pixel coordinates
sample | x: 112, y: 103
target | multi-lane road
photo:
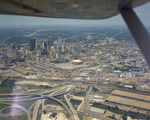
x: 40, y: 100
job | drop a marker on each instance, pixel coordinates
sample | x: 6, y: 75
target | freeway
x: 86, y: 99
x: 74, y: 113
x: 39, y: 102
x: 20, y: 107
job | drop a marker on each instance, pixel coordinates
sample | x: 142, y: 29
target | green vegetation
x: 113, y: 117
x: 32, y: 108
x: 3, y: 106
x: 51, y: 101
x: 87, y: 88
x: 40, y: 88
x: 91, y: 73
x: 68, y: 96
x: 7, y: 86
x: 67, y: 115
x: 76, y: 102
x: 22, y: 117
x: 8, y: 110
x: 134, y: 115
x: 66, y: 104
x: 74, y: 106
x: 108, y: 67
x: 95, y: 64
x: 26, y: 104
x: 80, y: 117
x: 94, y: 89
x: 108, y: 62
x: 82, y: 94
x: 57, y: 62
x: 38, y: 117
x: 40, y: 107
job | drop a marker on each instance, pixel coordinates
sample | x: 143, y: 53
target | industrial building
x: 129, y: 99
x: 97, y: 110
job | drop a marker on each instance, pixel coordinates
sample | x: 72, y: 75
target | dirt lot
x: 108, y: 113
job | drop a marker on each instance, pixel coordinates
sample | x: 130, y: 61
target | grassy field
x: 3, y: 106
x: 27, y: 103
x: 22, y: 117
x: 7, y: 86
x: 91, y: 73
x: 80, y: 117
x: 38, y: 117
x: 95, y: 64
x: 67, y: 115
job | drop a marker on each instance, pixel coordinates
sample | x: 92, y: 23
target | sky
x: 143, y: 13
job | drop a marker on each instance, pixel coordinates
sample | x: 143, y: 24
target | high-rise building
x: 27, y: 51
x: 63, y: 48
x: 58, y: 55
x: 37, y: 46
x: 57, y: 49
x: 51, y: 53
x: 50, y: 42
x: 44, y: 45
x: 32, y: 45
x: 60, y: 41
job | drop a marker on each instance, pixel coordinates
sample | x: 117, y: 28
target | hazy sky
x: 143, y: 12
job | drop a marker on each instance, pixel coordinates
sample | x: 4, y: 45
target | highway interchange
x: 41, y: 97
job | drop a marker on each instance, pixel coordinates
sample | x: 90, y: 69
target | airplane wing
x: 75, y: 9
x: 84, y: 9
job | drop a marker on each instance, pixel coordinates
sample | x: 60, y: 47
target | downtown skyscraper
x: 60, y: 41
x: 32, y: 44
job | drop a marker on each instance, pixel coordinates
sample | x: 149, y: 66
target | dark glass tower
x: 32, y: 44
x: 50, y: 42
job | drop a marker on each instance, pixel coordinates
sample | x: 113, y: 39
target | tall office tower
x: 59, y: 41
x: 58, y: 55
x: 57, y: 49
x: 50, y: 42
x: 32, y: 45
x: 54, y: 51
x: 63, y: 48
x: 27, y: 51
x: 51, y: 53
x: 44, y: 45
x: 37, y: 46
x: 64, y: 42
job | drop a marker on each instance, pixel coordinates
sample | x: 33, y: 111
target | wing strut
x: 138, y: 31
